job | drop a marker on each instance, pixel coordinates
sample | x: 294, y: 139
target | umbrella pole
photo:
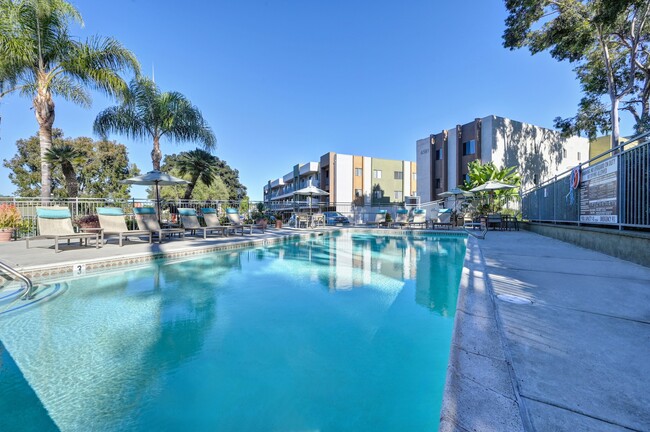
x: 158, y: 202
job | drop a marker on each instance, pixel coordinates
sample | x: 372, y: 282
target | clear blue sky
x: 282, y: 82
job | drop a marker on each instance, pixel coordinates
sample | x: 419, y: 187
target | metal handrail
x: 30, y: 286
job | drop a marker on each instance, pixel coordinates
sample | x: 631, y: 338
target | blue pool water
x: 344, y: 332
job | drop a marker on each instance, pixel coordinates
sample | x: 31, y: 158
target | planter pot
x: 6, y: 234
x: 278, y: 224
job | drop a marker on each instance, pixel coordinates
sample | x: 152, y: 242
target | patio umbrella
x: 310, y: 191
x: 155, y: 178
x: 454, y: 192
x: 492, y: 185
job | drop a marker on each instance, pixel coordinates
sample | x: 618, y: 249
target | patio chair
x: 402, y: 218
x: 318, y: 219
x: 419, y: 218
x: 302, y: 219
x: 56, y: 223
x: 112, y: 221
x: 148, y: 221
x: 380, y: 218
x: 211, y: 218
x: 443, y: 219
x: 235, y: 221
x: 495, y: 221
x: 190, y: 222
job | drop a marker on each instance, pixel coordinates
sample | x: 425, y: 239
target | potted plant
x: 9, y: 220
x: 278, y: 221
x: 87, y: 221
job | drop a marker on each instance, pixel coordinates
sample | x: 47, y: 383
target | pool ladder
x: 15, y: 273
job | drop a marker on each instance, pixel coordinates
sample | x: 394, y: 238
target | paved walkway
x: 581, y: 351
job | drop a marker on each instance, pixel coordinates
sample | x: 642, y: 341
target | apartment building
x: 348, y: 179
x: 538, y: 153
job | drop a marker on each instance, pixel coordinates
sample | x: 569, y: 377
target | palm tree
x: 39, y: 58
x: 197, y: 164
x: 149, y: 113
x: 66, y: 155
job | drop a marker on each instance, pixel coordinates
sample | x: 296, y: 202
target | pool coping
x: 481, y: 392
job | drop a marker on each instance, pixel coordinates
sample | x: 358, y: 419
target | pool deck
x: 576, y: 358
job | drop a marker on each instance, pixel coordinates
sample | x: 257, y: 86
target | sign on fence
x: 598, y: 192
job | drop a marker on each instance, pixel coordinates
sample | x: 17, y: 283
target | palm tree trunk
x: 71, y: 184
x: 190, y: 188
x: 44, y: 111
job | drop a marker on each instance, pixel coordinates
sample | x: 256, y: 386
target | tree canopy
x: 225, y: 186
x: 99, y: 168
x: 40, y: 59
x: 608, y: 40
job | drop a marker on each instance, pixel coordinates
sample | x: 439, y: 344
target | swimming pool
x: 349, y: 331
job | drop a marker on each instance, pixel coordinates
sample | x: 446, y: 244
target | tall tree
x: 66, y: 156
x: 607, y: 39
x: 39, y: 58
x: 99, y: 169
x: 225, y: 186
x: 197, y: 164
x: 149, y: 113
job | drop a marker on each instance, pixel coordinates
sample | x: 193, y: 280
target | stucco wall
x: 343, y: 178
x: 423, y: 161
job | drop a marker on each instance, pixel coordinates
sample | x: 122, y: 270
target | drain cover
x: 513, y: 299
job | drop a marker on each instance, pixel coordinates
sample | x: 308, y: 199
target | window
x: 469, y: 147
x: 358, y: 193
x: 398, y: 175
x: 437, y: 183
x: 578, y: 156
x: 439, y: 154
x: 398, y: 195
x: 379, y: 194
x: 535, y: 179
x: 358, y: 172
x: 377, y: 174
x: 563, y: 152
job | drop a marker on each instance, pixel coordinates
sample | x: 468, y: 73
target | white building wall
x: 423, y: 165
x: 343, y: 178
x: 451, y: 159
x: 406, y: 176
x: 538, y: 153
x: 367, y: 180
x: 487, y: 138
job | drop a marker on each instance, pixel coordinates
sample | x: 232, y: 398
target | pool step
x: 10, y: 295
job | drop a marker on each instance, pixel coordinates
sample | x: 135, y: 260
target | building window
x: 398, y: 175
x: 439, y: 154
x: 398, y: 195
x: 358, y: 172
x: 563, y: 152
x: 379, y: 194
x: 437, y: 183
x: 535, y: 179
x: 578, y: 156
x: 469, y: 147
x: 358, y: 193
x: 377, y: 174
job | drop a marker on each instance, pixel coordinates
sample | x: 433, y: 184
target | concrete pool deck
x: 576, y: 358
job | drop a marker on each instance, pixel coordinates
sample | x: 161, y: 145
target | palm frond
x: 122, y: 120
x: 70, y: 90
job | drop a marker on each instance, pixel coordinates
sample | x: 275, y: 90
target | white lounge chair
x: 56, y: 223
x: 444, y: 219
x: 112, y: 221
x: 419, y: 218
x: 147, y: 220
x: 190, y: 221
x: 380, y: 218
x: 235, y: 221
x: 402, y: 218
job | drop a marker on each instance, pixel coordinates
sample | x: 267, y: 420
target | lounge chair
x: 56, y: 223
x: 112, y: 221
x: 235, y: 221
x: 190, y: 222
x: 318, y: 219
x: 380, y: 218
x: 302, y: 219
x: 419, y: 218
x: 443, y: 220
x: 148, y: 221
x: 402, y: 218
